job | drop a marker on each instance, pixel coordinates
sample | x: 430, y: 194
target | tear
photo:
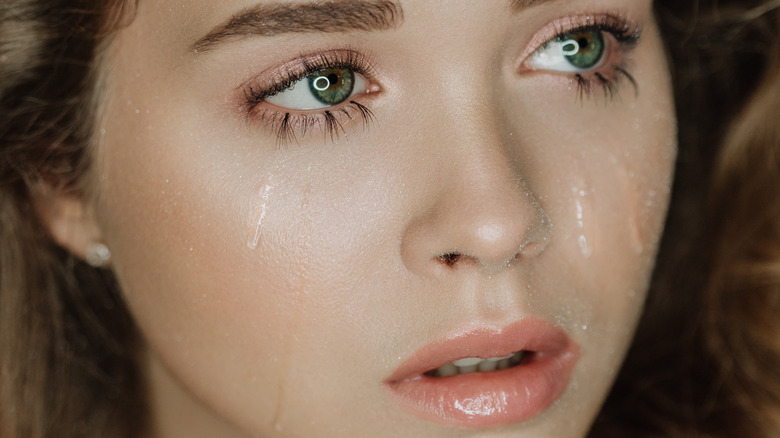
x: 254, y: 237
x: 581, y: 209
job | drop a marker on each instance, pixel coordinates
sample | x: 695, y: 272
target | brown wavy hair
x: 706, y: 361
x: 67, y: 344
x: 742, y: 298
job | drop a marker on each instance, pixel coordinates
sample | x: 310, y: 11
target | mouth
x: 487, y: 377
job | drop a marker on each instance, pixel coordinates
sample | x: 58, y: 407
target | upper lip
x: 533, y: 335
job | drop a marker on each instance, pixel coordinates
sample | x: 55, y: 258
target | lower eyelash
x: 288, y: 126
x: 588, y: 86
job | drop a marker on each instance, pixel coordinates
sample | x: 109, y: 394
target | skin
x: 555, y: 201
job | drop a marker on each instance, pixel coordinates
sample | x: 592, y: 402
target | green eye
x: 331, y: 86
x: 321, y: 89
x: 583, y: 50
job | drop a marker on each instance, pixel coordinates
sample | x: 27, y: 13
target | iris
x: 583, y: 50
x: 331, y: 86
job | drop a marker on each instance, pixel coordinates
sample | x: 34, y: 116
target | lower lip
x: 490, y: 399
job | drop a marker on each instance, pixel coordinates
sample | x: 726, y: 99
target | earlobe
x: 70, y: 221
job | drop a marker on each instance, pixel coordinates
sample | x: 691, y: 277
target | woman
x: 326, y: 219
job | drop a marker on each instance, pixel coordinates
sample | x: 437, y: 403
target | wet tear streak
x: 255, y: 237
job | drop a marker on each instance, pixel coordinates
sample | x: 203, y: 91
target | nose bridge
x: 481, y: 210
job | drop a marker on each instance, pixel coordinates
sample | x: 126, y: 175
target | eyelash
x: 288, y: 125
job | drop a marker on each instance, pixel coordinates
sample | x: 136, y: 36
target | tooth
x: 447, y: 370
x: 487, y: 365
x: 502, y: 364
x: 468, y: 369
x: 467, y: 362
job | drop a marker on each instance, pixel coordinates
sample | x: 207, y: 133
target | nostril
x: 450, y: 258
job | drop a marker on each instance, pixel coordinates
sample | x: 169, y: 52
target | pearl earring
x: 98, y: 254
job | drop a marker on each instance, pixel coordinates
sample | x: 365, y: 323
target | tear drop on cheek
x: 260, y: 210
x: 585, y: 249
x: 636, y: 211
x: 582, y: 210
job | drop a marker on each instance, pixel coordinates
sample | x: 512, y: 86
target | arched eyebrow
x: 329, y: 17
x: 519, y: 5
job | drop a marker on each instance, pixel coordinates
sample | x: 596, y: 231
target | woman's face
x: 445, y: 180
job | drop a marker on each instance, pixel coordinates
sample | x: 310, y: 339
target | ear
x: 69, y: 220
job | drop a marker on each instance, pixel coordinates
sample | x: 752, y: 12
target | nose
x: 479, y: 211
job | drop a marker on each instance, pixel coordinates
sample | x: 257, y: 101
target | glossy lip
x: 498, y: 398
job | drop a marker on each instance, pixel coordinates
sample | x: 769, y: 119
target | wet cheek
x: 181, y: 231
x: 645, y: 207
x: 607, y: 199
x: 629, y: 199
x: 644, y: 173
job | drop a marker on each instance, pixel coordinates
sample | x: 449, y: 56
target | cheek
x: 236, y: 269
x: 190, y: 251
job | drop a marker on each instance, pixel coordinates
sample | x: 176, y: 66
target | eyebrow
x: 329, y: 17
x: 519, y: 5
